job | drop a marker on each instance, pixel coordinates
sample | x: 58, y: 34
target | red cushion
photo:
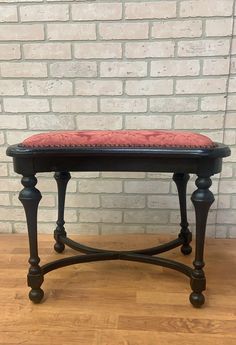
x: 119, y: 138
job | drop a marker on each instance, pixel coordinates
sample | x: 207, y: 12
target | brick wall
x: 165, y: 64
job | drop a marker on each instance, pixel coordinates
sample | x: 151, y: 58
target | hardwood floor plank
x: 116, y: 302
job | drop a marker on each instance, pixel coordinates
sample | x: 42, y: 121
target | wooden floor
x: 116, y: 302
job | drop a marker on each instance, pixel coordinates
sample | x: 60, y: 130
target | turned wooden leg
x: 202, y: 200
x: 62, y: 179
x: 30, y: 198
x: 181, y: 181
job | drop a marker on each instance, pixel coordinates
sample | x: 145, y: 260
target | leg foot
x: 197, y: 299
x: 186, y: 249
x: 181, y: 181
x: 62, y: 179
x: 30, y: 198
x: 202, y: 200
x: 36, y: 295
x: 59, y: 247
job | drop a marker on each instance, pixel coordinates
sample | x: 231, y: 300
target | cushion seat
x: 119, y: 138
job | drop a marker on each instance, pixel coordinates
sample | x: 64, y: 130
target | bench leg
x: 181, y: 181
x: 202, y: 200
x: 30, y: 198
x: 62, y: 179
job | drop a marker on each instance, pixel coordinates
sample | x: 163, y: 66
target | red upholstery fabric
x: 119, y: 138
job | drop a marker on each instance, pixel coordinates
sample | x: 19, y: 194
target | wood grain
x: 116, y: 303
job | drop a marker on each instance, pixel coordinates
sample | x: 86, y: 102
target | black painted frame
x: 179, y: 161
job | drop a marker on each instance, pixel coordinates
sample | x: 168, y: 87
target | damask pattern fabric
x: 119, y: 138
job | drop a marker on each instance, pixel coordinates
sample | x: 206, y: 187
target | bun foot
x: 59, y: 247
x: 36, y: 295
x: 186, y: 249
x: 197, y: 299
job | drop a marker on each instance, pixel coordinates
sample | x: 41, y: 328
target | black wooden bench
x: 180, y: 153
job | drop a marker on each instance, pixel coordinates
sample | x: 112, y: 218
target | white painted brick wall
x: 99, y: 64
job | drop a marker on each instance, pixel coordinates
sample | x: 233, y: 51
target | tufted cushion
x: 119, y: 138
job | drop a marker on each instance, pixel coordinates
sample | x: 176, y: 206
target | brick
x: 230, y: 120
x: 13, y: 121
x: 173, y: 68
x: 204, y: 47
x: 22, y: 32
x: 123, y: 201
x: 150, y: 10
x: 49, y: 87
x: 146, y: 217
x: 45, y: 215
x: 149, y: 87
x: 100, y: 186
x: 26, y: 105
x: 164, y: 229
x: 219, y: 27
x: 123, y: 105
x: 233, y: 46
x: 46, y: 185
x: 232, y: 84
x: 2, y: 140
x: 120, y: 31
x: 4, y: 199
x: 8, y: 13
x: 44, y: 12
x: 72, y: 69
x: 200, y: 86
x: 226, y: 217
x: 213, y: 103
x: 177, y: 29
x: 96, y: 11
x: 122, y: 229
x: 14, y: 136
x: 98, y: 87
x: 11, y: 88
x: 124, y: 175
x: 232, y: 232
x: 10, y: 52
x: 232, y: 102
x: 206, y: 8
x: 99, y: 122
x: 175, y: 104
x: 163, y: 201
x: 233, y: 65
x: 100, y: 216
x: 84, y: 201
x: 123, y: 69
x: 47, y: 51
x: 98, y: 50
x: 3, y: 171
x: 147, y: 187
x: 216, y: 66
x: 148, y: 122
x: 71, y: 32
x: 149, y: 49
x: 74, y: 105
x: 5, y: 227
x: 229, y: 137
x: 7, y: 214
x: 227, y: 171
x: 198, y: 121
x: 84, y: 228
x: 9, y: 185
x: 23, y: 69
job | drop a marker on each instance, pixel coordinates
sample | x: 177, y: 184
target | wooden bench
x: 180, y: 153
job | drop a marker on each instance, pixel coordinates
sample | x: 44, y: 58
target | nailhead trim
x: 121, y: 146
